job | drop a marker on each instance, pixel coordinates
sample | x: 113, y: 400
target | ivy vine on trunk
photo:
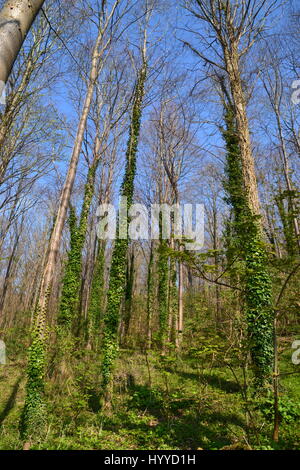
x: 33, y: 417
x: 96, y: 302
x: 117, y: 280
x: 249, y: 244
x: 72, y: 277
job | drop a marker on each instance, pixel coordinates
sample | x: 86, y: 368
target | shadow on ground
x: 11, y: 400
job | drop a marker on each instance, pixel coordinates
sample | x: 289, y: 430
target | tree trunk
x: 32, y: 417
x: 242, y: 128
x: 130, y: 275
x: 150, y: 296
x: 117, y: 280
x: 16, y: 18
x: 180, y: 305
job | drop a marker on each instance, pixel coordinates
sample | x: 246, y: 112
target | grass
x: 159, y: 403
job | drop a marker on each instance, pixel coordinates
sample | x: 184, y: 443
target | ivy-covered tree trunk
x: 130, y: 272
x: 163, y: 291
x: 96, y: 301
x: 33, y: 418
x: 245, y: 202
x: 35, y: 376
x: 150, y: 296
x: 69, y: 318
x: 248, y: 242
x: 172, y: 297
x: 72, y: 278
x: 179, y: 329
x: 234, y: 28
x: 117, y: 280
x: 173, y: 301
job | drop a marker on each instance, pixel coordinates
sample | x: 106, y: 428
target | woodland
x: 149, y: 343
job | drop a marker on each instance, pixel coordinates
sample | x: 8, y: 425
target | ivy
x: 33, y: 417
x: 117, y: 280
x: 259, y: 311
x: 173, y: 299
x: 72, y: 277
x: 150, y: 295
x: 245, y: 240
x: 130, y: 272
x: 96, y: 297
x: 163, y: 290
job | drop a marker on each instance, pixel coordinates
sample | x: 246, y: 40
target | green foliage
x: 117, y: 280
x: 72, y: 276
x: 259, y: 312
x: 289, y: 410
x: 183, y: 408
x: 145, y: 398
x: 209, y: 348
x: 96, y: 296
x: 33, y: 418
x: 150, y: 295
x: 245, y: 240
x: 163, y: 289
x: 70, y: 281
x: 128, y: 298
x: 233, y: 169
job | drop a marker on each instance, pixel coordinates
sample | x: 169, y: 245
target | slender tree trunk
x: 180, y: 305
x: 172, y: 299
x: 286, y: 170
x: 216, y: 259
x: 33, y: 413
x: 150, y: 296
x: 163, y: 293
x: 275, y: 387
x: 8, y: 272
x: 288, y: 230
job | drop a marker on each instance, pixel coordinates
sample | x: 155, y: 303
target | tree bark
x: 16, y: 18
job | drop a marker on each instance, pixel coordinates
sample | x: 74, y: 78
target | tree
x: 16, y: 18
x: 106, y: 120
x: 117, y: 279
x: 33, y: 414
x: 235, y: 27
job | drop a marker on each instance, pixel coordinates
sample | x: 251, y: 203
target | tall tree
x: 117, y: 279
x: 33, y: 414
x: 235, y: 28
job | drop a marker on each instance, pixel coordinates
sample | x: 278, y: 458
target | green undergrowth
x: 160, y: 402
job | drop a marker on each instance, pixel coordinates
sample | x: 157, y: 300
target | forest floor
x: 159, y: 403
